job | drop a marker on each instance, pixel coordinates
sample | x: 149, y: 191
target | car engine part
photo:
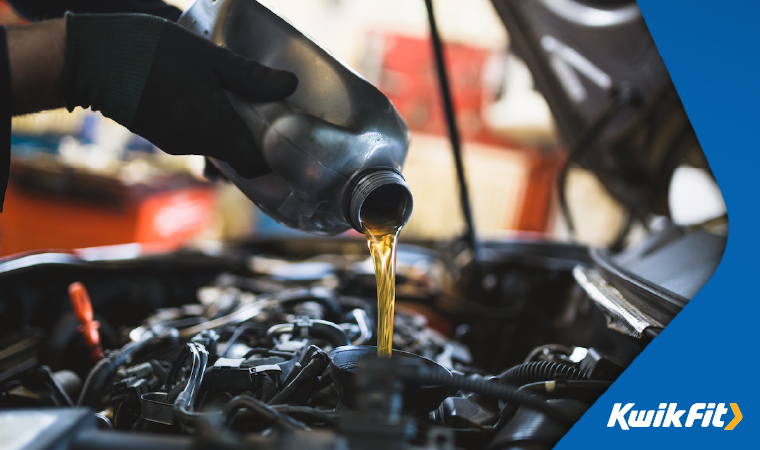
x: 272, y: 344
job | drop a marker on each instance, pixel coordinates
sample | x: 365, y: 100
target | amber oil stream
x: 381, y: 240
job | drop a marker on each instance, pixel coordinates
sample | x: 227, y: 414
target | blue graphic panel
x: 708, y: 353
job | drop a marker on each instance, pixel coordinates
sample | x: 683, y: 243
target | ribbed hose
x: 424, y: 376
x: 535, y: 371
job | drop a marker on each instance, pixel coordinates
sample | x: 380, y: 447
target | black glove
x: 168, y: 85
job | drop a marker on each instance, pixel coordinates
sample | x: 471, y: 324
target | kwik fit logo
x: 668, y: 415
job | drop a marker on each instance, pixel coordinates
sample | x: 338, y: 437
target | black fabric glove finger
x: 254, y: 81
x: 184, y: 110
x: 210, y: 127
x: 178, y: 101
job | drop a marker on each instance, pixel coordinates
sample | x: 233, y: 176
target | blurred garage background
x: 80, y: 180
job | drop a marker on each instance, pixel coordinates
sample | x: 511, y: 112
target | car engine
x: 271, y: 344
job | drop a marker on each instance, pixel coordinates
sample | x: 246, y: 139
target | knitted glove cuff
x: 108, y: 59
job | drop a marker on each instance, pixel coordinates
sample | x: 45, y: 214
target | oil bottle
x: 330, y: 145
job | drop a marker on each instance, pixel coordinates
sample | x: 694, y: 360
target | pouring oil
x: 383, y: 213
x: 381, y: 241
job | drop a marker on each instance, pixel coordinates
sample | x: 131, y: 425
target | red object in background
x: 35, y: 218
x: 544, y: 168
x: 409, y: 79
x: 8, y: 15
x: 174, y: 217
x: 88, y: 327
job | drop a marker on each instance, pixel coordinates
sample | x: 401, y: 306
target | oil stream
x: 382, y: 215
x: 381, y: 241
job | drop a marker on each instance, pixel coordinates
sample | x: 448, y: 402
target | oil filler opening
x: 381, y: 197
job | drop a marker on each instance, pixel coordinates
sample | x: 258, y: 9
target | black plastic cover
x: 580, y: 54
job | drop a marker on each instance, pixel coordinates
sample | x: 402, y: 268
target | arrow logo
x: 737, y: 417
x: 668, y: 415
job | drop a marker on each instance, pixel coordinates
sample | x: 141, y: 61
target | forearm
x: 148, y: 74
x: 36, y: 56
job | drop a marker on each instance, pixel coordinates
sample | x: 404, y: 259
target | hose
x: 183, y: 405
x: 535, y: 371
x: 231, y: 341
x: 622, y: 96
x: 320, y: 329
x: 171, y: 378
x: 425, y: 376
x: 267, y: 352
x: 305, y: 412
x: 305, y: 381
x: 261, y: 409
x: 587, y: 391
x: 244, y: 313
x: 107, y: 367
x: 365, y: 331
x: 323, y: 296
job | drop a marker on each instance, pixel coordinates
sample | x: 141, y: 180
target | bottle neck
x: 379, y: 196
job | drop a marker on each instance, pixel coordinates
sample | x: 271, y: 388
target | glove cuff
x: 108, y: 58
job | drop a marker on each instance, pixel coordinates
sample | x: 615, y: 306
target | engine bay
x: 272, y: 343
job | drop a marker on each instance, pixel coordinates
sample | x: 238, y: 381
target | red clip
x: 88, y: 328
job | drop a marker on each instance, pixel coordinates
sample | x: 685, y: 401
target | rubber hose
x: 183, y: 405
x: 424, y: 376
x: 330, y: 332
x: 173, y: 393
x: 307, y: 379
x: 535, y: 371
x: 260, y: 409
x: 324, y: 297
x: 320, y: 329
x: 313, y: 415
x: 106, y: 368
x: 176, y: 367
x: 587, y: 391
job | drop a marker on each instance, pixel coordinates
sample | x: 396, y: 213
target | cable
x: 587, y: 391
x: 107, y: 367
x: 314, y: 415
x: 365, y: 331
x: 320, y: 329
x: 231, y: 341
x: 618, y: 243
x: 451, y: 123
x: 261, y: 409
x: 425, y: 376
x: 244, y: 313
x: 183, y: 405
x: 305, y: 381
x: 621, y: 97
x: 171, y: 378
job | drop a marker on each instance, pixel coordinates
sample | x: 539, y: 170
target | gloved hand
x: 168, y: 85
